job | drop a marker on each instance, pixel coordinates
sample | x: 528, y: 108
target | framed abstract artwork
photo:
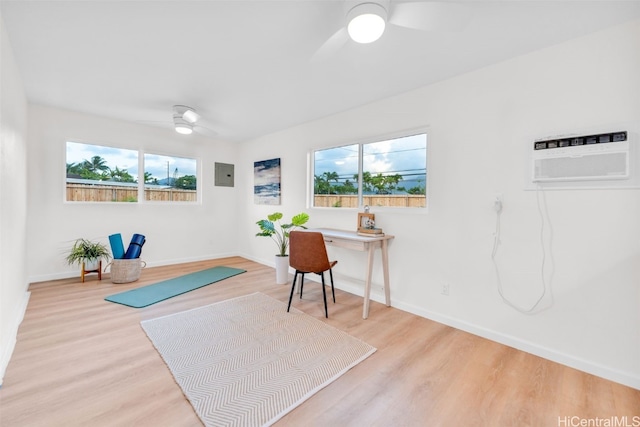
x: 266, y: 182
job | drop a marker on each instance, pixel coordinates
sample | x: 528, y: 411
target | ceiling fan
x: 185, y: 121
x: 367, y: 20
x: 184, y: 118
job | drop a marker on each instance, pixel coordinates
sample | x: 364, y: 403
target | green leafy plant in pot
x: 272, y: 227
x: 86, y: 253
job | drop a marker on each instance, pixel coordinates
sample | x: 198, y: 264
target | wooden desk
x: 352, y: 240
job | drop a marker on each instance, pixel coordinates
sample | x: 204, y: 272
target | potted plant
x: 279, y: 233
x: 88, y: 255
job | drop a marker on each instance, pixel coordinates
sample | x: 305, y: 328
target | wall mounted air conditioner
x: 595, y: 157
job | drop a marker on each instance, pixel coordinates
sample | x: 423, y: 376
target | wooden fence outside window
x: 98, y: 193
x: 388, y: 200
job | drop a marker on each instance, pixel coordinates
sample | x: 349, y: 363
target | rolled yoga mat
x: 117, y: 247
x: 135, y: 247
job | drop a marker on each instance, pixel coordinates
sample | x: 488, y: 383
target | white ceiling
x: 248, y: 67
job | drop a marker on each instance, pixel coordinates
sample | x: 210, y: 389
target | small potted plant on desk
x: 88, y: 255
x: 272, y: 227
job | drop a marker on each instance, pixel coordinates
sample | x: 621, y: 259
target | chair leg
x: 293, y: 287
x: 301, y: 284
x: 324, y: 295
x: 333, y: 292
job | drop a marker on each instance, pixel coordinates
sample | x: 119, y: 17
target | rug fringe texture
x: 247, y: 362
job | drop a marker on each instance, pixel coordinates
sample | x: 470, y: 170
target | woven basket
x: 125, y: 270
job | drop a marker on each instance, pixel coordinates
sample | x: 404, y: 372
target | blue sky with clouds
x: 405, y: 156
x: 157, y: 165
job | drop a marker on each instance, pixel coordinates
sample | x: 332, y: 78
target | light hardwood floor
x: 82, y: 361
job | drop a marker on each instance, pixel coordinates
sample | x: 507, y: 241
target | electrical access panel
x: 224, y: 175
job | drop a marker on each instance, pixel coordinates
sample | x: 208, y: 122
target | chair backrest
x: 307, y: 252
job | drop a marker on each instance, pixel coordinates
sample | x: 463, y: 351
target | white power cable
x: 496, y: 244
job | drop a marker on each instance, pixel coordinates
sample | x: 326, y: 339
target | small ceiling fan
x: 367, y: 20
x: 184, y: 118
x: 185, y: 121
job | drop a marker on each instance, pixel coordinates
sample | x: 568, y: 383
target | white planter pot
x: 91, y: 265
x: 282, y: 270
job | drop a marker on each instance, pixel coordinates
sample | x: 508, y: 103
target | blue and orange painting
x: 266, y: 182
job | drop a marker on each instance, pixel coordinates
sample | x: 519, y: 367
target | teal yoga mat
x: 117, y: 247
x: 151, y: 294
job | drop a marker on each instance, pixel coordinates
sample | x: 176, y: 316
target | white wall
x: 478, y: 126
x: 174, y: 232
x: 13, y: 200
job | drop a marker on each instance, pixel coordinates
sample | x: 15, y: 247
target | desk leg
x: 367, y: 286
x: 385, y: 270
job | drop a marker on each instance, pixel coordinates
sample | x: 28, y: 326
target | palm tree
x: 74, y: 168
x: 366, y: 181
x: 120, y: 175
x: 319, y: 185
x: 149, y: 179
x: 96, y: 164
x: 328, y: 177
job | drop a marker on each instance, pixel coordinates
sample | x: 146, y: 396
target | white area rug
x: 247, y: 362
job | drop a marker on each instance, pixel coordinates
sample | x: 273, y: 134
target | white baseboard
x: 606, y: 372
x: 12, y: 333
x: 190, y: 259
x: 356, y: 287
x: 271, y: 263
x: 76, y: 273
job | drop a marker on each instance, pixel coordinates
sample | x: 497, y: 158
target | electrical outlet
x: 445, y: 289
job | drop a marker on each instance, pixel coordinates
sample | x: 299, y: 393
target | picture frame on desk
x: 366, y: 220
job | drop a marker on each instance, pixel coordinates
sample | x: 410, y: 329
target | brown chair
x: 308, y: 254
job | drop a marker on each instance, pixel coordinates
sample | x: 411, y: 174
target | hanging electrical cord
x: 496, y: 244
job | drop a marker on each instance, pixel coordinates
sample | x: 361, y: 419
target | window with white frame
x: 96, y: 173
x: 170, y: 179
x: 390, y: 172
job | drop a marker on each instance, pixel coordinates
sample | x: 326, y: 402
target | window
x: 170, y: 179
x: 390, y: 173
x: 336, y: 175
x: 105, y: 174
x: 101, y: 174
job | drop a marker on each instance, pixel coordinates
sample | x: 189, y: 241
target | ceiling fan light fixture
x: 191, y: 116
x: 182, y: 126
x: 186, y: 113
x: 366, y: 22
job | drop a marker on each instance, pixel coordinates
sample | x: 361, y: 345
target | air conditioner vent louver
x: 591, y: 157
